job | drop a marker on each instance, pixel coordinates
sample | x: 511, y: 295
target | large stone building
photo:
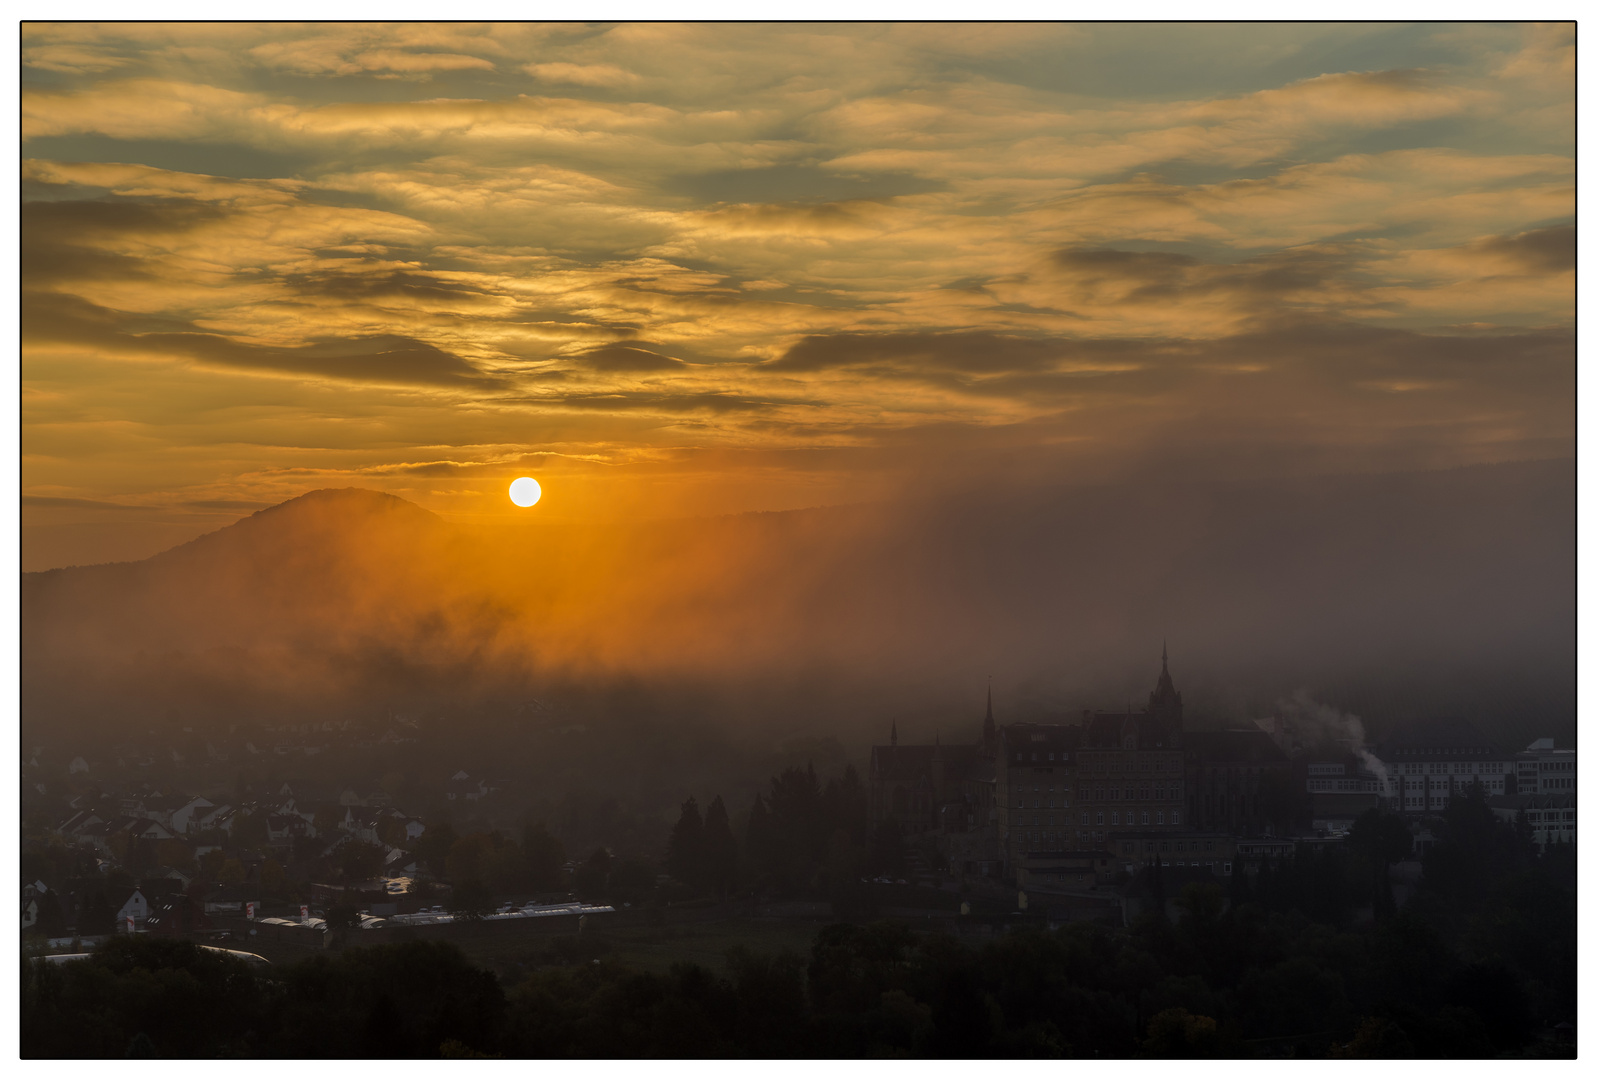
x: 1073, y: 802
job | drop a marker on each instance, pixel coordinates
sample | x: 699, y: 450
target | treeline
x: 1480, y: 962
x: 802, y: 838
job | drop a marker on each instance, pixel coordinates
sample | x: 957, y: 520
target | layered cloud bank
x: 680, y: 269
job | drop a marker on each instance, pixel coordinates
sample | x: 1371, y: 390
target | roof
x: 1235, y: 744
x: 1433, y: 739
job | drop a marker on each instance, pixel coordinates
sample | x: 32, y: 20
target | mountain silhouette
x: 1450, y: 588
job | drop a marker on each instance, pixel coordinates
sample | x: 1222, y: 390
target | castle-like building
x: 1072, y: 803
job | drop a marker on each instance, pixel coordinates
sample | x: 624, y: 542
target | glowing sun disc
x: 524, y: 491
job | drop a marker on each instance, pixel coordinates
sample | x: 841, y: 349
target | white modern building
x: 1543, y: 769
x: 1551, y: 817
x: 1428, y: 763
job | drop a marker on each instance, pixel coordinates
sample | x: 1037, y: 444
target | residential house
x: 287, y: 828
x: 187, y: 818
x: 135, y: 907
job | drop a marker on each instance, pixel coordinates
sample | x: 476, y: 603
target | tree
x: 593, y: 878
x: 470, y: 901
x: 1380, y: 838
x: 250, y: 830
x: 685, y: 857
x: 546, y: 857
x: 434, y: 845
x: 1176, y: 1033
x: 887, y: 847
x: 232, y: 873
x: 360, y: 862
x: 274, y: 882
x: 718, y: 849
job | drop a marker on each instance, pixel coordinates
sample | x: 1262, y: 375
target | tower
x: 1164, y: 702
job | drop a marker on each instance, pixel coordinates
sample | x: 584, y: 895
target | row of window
x: 1129, y: 847
x: 1149, y: 817
x: 1410, y: 768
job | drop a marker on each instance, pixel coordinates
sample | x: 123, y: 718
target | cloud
x: 53, y: 502
x: 581, y: 74
x: 382, y: 358
x: 626, y: 358
x: 1536, y: 251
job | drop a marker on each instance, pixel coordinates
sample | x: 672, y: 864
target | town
x: 1069, y: 819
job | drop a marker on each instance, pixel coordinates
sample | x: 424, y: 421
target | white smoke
x: 1317, y: 723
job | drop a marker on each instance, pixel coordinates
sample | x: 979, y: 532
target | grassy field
x: 642, y: 948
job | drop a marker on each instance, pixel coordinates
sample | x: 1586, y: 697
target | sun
x: 524, y: 491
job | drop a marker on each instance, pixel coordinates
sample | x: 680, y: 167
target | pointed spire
x: 1164, y: 656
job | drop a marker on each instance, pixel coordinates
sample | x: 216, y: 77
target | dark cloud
x: 1539, y: 251
x: 1157, y: 276
x: 58, y: 239
x: 395, y: 285
x: 380, y: 358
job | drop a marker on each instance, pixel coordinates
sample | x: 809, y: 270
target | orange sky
x: 678, y: 269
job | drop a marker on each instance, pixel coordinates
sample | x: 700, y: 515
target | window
x: 1145, y: 817
x: 1114, y: 819
x: 1084, y: 820
x: 1161, y: 817
x: 1175, y: 817
x: 1100, y: 817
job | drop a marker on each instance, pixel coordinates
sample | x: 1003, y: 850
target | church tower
x: 1164, y: 702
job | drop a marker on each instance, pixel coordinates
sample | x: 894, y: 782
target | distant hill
x: 1401, y: 591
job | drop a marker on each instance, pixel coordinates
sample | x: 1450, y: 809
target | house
x: 400, y: 863
x: 464, y: 787
x: 31, y: 897
x: 135, y: 907
x: 186, y: 818
x: 79, y: 821
x: 361, y: 822
x: 210, y: 817
x: 287, y: 828
x: 159, y: 880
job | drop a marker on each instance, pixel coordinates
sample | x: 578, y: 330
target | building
x: 1237, y: 781
x: 1541, y: 769
x: 1551, y: 817
x: 1064, y: 803
x: 1428, y: 763
x: 937, y: 788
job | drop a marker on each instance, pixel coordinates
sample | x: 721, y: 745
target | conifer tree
x: 719, y: 849
x: 685, y: 858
